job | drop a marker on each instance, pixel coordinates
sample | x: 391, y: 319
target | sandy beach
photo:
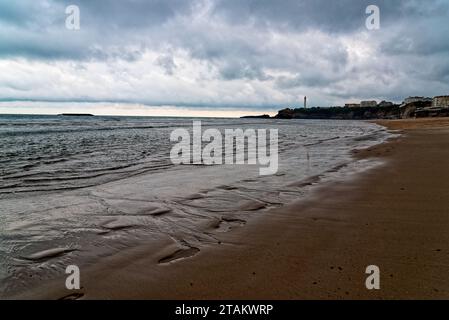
x: 394, y: 216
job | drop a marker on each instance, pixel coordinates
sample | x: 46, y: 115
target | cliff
x: 342, y: 113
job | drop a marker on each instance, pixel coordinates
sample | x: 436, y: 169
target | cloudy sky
x: 217, y: 57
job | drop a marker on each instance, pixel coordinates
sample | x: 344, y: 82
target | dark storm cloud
x: 331, y: 16
x: 34, y: 28
x: 134, y: 14
x: 41, y: 27
x: 290, y: 46
x: 14, y: 13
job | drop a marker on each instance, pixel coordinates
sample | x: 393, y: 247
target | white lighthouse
x: 305, y: 102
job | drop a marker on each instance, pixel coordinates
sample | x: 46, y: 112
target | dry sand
x: 395, y: 216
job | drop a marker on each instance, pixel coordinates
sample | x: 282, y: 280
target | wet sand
x: 395, y: 216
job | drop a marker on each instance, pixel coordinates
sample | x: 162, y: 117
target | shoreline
x: 393, y: 216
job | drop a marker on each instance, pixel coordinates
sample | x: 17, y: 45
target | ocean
x: 77, y: 189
